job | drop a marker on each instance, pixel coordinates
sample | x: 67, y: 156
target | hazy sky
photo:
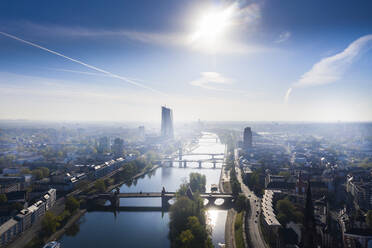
x: 213, y: 60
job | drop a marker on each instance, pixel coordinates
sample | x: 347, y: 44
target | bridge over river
x: 184, y: 161
x: 225, y: 200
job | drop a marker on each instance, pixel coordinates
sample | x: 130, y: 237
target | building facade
x: 118, y: 147
x: 166, y: 123
x: 247, y: 140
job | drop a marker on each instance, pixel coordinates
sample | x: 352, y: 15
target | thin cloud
x: 83, y: 64
x: 244, y: 18
x: 283, y: 37
x: 209, y: 80
x: 332, y: 68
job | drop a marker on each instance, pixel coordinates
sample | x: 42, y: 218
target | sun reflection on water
x: 212, y: 217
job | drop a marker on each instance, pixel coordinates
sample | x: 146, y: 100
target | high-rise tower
x: 166, y: 122
x: 118, y: 147
x: 247, y: 137
x: 104, y: 145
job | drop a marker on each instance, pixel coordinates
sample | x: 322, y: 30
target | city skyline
x: 266, y: 61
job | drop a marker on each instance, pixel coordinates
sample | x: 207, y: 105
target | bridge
x: 184, y: 162
x: 180, y: 154
x: 204, y: 154
x: 165, y: 196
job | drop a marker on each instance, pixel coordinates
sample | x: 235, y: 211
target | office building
x: 104, y: 145
x: 118, y: 147
x: 247, y: 137
x: 166, y: 123
x: 141, y: 132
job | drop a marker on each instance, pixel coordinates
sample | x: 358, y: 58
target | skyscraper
x: 247, y: 137
x: 118, y: 147
x: 141, y: 132
x: 166, y: 123
x: 104, y: 145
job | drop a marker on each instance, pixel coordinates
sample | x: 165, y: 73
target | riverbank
x: 229, y: 229
x: 239, y: 230
x: 73, y: 219
x: 225, y: 187
x: 29, y: 235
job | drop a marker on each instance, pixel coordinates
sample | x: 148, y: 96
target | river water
x: 149, y: 229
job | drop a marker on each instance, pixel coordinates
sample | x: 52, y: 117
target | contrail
x: 286, y: 98
x: 82, y: 63
x: 91, y: 73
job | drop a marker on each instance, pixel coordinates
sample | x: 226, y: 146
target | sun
x: 212, y: 26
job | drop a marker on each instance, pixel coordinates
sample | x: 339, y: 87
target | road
x: 252, y: 221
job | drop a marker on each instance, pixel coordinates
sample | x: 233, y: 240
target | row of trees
x: 134, y: 167
x: 187, y: 227
x: 288, y: 212
x: 235, y: 185
x: 254, y: 182
x: 52, y: 222
x: 369, y: 219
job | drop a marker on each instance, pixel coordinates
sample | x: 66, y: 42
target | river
x: 149, y: 229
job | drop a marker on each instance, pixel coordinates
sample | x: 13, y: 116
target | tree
x: 187, y: 226
x: 38, y: 174
x: 62, y: 218
x: 73, y: 230
x: 197, y: 182
x: 45, y: 171
x: 287, y: 212
x: 182, y: 190
x: 151, y: 156
x: 285, y: 174
x: 369, y: 218
x: 26, y: 171
x: 100, y: 186
x: 241, y: 203
x: 3, y: 199
x: 49, y: 223
x: 187, y: 238
x: 17, y: 206
x: 72, y: 204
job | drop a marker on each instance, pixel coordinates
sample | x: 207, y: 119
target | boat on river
x: 53, y: 244
x: 214, y: 187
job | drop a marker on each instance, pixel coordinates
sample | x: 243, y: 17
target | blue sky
x: 213, y: 60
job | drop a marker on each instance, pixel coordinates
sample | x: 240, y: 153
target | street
x: 252, y: 220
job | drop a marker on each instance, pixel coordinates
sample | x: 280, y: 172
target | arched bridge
x: 165, y: 196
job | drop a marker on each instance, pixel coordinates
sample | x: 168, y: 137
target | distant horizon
x: 192, y: 121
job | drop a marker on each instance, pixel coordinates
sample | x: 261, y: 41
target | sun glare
x: 212, y: 26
